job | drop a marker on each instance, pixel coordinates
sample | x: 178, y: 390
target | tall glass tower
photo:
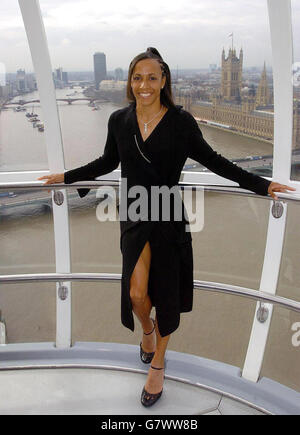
x: 99, y: 68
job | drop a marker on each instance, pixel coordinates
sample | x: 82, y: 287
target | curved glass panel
x: 84, y: 106
x: 96, y: 313
x: 83, y: 130
x: 29, y: 311
x: 22, y: 143
x: 96, y: 317
x: 281, y: 361
x: 230, y: 248
x: 224, y: 340
x: 295, y: 170
x: 289, y: 277
x: 229, y: 93
x: 95, y: 244
x: 26, y: 232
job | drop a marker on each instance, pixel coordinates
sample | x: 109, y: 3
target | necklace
x: 146, y: 123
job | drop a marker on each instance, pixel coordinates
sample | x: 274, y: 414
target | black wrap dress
x: 158, y: 161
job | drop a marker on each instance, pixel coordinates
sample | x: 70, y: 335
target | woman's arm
x: 101, y: 166
x: 202, y: 152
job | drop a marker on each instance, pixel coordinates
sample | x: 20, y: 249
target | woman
x: 152, y: 138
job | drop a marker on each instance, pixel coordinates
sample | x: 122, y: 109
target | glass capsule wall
x: 230, y: 93
x: 22, y: 145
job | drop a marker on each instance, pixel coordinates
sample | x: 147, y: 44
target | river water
x: 84, y: 131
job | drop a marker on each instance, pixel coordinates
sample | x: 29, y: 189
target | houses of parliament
x: 245, y: 110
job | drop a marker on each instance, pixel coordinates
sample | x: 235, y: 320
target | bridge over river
x: 67, y: 100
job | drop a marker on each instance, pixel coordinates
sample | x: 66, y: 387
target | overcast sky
x: 188, y: 33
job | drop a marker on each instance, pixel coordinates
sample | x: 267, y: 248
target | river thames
x: 84, y: 131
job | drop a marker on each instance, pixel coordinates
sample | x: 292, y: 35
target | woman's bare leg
x: 142, y: 306
x: 155, y: 378
x: 141, y: 303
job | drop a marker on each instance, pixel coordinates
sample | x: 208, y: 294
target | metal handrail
x: 232, y: 190
x: 198, y: 285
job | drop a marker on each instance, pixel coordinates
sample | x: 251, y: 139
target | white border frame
x: 281, y: 37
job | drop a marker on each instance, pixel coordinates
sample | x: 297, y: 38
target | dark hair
x: 166, y: 97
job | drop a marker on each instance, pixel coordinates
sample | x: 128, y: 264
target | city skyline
x: 140, y: 26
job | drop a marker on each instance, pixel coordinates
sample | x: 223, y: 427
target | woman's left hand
x: 277, y: 187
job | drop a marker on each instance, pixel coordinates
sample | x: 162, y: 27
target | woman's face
x: 147, y: 81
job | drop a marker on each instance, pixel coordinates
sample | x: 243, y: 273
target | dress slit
x: 130, y: 274
x: 132, y: 245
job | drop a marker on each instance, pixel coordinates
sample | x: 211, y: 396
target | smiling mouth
x: 145, y: 94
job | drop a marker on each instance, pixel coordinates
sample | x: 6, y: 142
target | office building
x: 21, y: 80
x: 99, y: 68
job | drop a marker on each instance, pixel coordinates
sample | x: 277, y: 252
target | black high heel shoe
x: 147, y: 357
x: 148, y: 399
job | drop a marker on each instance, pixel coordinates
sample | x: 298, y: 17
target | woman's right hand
x: 53, y: 178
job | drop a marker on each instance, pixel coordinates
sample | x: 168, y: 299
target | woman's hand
x: 277, y: 187
x: 53, y: 178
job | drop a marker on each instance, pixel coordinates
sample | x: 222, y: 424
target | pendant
x: 145, y: 128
